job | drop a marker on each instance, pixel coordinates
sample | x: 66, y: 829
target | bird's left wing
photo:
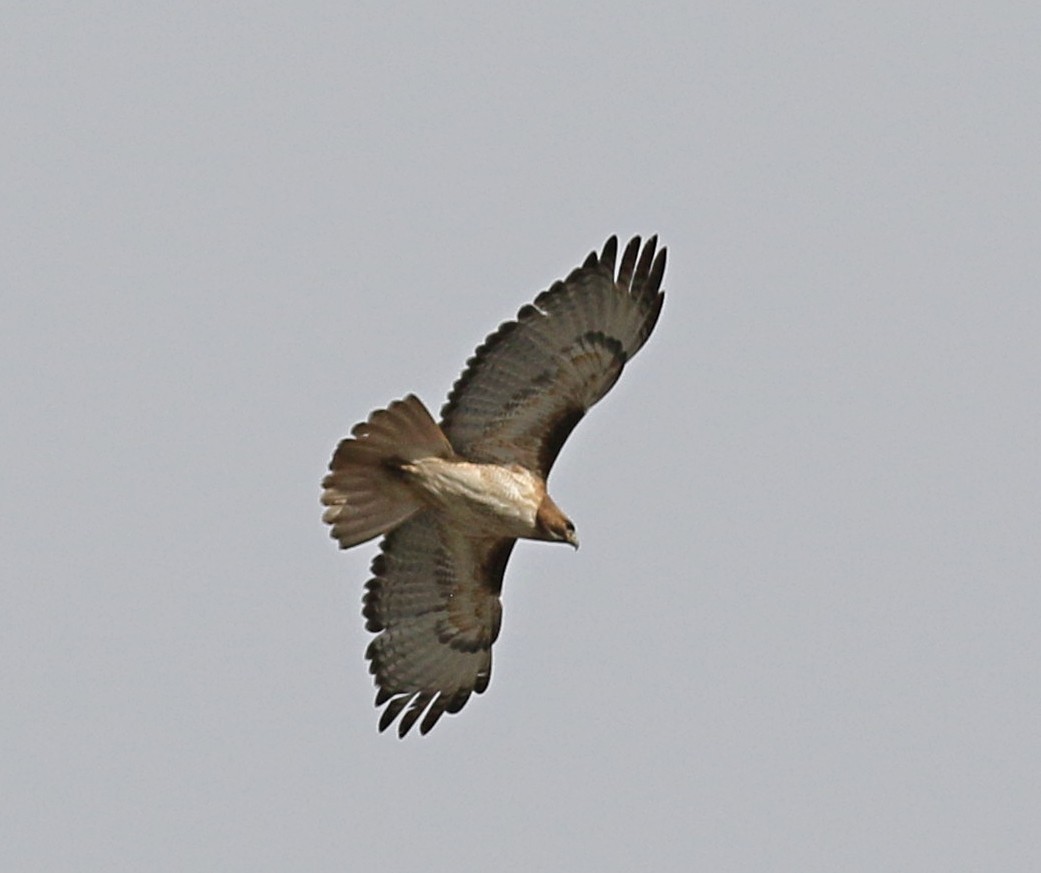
x: 434, y: 599
x: 532, y: 381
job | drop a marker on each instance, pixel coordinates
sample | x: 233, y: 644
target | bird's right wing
x: 434, y: 600
x: 532, y: 381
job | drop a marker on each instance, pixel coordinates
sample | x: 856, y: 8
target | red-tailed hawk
x: 453, y: 499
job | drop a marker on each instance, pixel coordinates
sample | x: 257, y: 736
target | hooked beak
x: 572, y: 539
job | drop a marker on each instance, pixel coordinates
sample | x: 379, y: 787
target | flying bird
x: 451, y: 499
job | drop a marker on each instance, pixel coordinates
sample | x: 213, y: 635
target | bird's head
x: 554, y: 525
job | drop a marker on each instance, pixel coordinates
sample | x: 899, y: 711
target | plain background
x: 802, y: 631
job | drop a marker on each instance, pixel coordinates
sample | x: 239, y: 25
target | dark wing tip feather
x: 625, y: 271
x: 442, y: 705
x: 419, y: 703
x: 609, y: 253
x: 642, y: 277
x: 643, y: 265
x: 392, y: 711
x: 458, y: 700
x: 410, y: 706
x: 657, y: 273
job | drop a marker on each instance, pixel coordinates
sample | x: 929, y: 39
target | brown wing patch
x: 473, y: 614
x: 559, y: 430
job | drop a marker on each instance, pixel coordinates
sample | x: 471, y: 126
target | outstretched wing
x: 533, y: 380
x: 434, y: 599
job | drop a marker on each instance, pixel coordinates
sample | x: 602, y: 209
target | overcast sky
x: 802, y: 631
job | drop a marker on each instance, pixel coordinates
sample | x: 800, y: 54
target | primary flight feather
x: 452, y: 499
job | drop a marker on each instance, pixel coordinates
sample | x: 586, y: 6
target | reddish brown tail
x: 363, y: 491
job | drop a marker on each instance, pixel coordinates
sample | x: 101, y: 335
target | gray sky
x: 802, y: 631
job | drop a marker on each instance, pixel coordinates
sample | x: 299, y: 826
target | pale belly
x: 499, y: 501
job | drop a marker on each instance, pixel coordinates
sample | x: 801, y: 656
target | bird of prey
x: 452, y: 498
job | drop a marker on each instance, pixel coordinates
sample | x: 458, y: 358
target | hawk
x: 451, y: 499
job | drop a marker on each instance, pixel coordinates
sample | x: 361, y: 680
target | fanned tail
x: 364, y: 491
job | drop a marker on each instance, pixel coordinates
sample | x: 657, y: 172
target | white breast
x: 500, y: 500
